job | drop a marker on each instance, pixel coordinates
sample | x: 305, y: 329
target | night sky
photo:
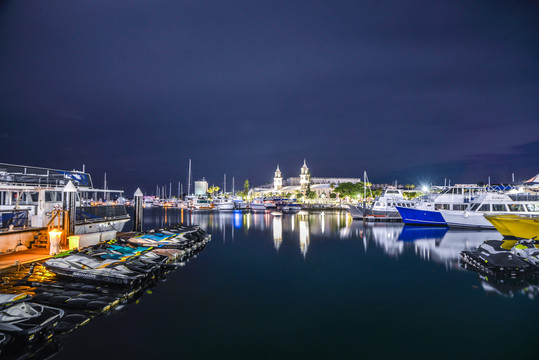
x: 407, y: 90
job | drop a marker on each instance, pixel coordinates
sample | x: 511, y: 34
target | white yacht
x: 200, y: 203
x: 383, y: 206
x: 31, y: 198
x: 239, y: 204
x: 257, y: 204
x: 223, y: 204
x: 489, y: 204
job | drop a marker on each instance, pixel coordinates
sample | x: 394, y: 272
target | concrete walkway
x: 24, y: 257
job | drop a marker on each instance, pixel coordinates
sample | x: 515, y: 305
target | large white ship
x: 31, y: 196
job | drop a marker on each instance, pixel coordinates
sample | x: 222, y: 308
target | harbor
x: 268, y: 180
x: 301, y: 268
x: 81, y: 276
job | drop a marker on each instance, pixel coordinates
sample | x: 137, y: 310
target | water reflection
x: 277, y: 232
x: 304, y: 231
x: 304, y: 237
x: 297, y: 228
x: 441, y: 245
x: 510, y: 288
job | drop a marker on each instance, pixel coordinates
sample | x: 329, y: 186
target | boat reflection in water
x: 297, y: 227
x: 510, y: 288
x: 438, y: 244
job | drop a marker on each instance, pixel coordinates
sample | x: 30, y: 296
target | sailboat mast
x: 189, y: 179
x: 224, y: 185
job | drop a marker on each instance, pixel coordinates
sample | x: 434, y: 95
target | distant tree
x: 349, y: 189
x: 213, y: 189
x: 311, y: 195
x: 246, y: 186
x: 333, y: 195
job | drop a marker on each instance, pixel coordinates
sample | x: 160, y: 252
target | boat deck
x: 23, y: 257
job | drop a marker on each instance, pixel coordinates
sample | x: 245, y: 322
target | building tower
x: 277, y: 180
x: 304, y: 176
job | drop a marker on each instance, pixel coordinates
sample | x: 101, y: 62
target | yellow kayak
x: 517, y: 226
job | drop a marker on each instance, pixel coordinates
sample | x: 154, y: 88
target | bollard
x: 69, y: 206
x: 137, y: 221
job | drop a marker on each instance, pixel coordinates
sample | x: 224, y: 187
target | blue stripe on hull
x: 421, y: 217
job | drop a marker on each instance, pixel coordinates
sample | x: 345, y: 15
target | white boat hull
x: 225, y: 207
x: 466, y: 219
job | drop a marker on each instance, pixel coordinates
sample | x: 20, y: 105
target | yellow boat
x: 517, y: 226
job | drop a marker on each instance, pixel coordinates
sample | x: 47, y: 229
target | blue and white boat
x: 427, y: 212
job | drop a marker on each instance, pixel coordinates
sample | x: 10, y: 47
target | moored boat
x: 383, y: 207
x: 516, y: 226
x: 223, y: 204
x: 489, y: 204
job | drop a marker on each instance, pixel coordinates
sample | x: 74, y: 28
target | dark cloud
x: 445, y: 89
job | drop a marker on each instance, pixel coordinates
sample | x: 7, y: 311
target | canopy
x: 533, y: 180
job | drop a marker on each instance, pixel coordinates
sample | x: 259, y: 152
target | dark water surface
x: 319, y: 285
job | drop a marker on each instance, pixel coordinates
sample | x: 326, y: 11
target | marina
x: 310, y: 276
x: 268, y: 180
x: 285, y: 244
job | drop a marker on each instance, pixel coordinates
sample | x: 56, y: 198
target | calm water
x: 319, y: 285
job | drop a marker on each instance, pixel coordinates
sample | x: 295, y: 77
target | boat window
x: 377, y: 203
x: 532, y: 207
x: 498, y: 207
x: 474, y: 207
x: 53, y: 196
x: 459, y: 207
x: 516, y: 207
x: 441, y: 206
x: 484, y: 207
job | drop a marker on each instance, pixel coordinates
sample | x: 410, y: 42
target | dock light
x: 424, y: 188
x: 74, y: 241
x: 55, y: 236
